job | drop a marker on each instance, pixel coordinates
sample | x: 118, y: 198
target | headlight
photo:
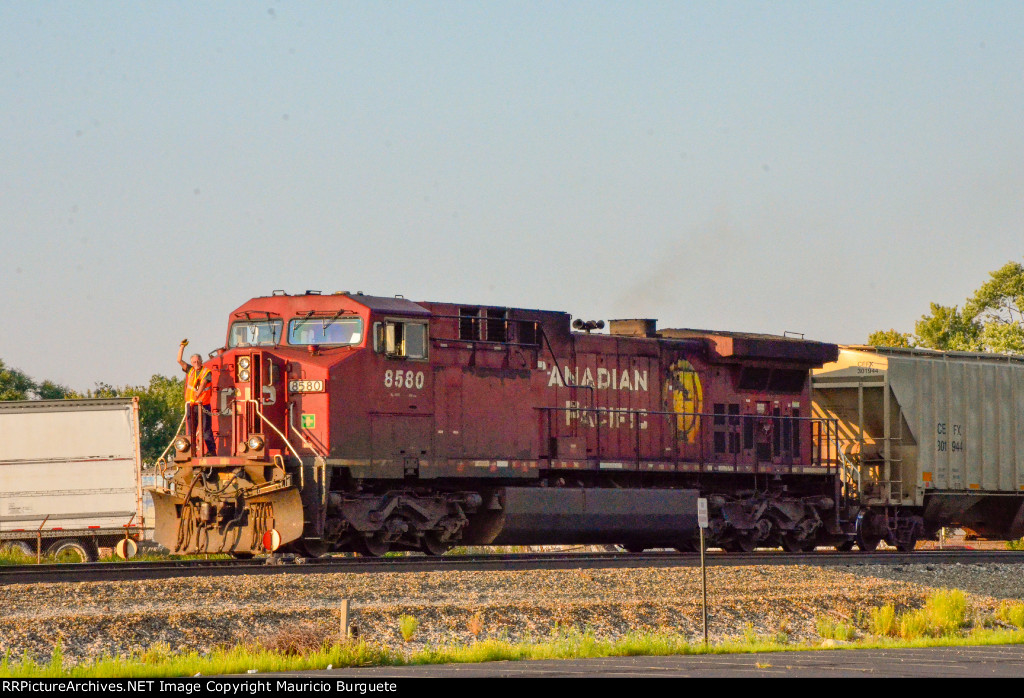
x: 243, y: 375
x: 243, y: 362
x: 181, y: 444
x: 255, y: 443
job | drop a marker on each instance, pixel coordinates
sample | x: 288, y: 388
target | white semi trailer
x: 70, y: 475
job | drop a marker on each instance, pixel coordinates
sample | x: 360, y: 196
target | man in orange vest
x: 198, y: 397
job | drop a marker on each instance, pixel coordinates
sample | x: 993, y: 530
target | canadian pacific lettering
x: 603, y: 379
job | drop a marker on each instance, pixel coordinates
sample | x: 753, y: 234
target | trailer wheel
x: 19, y: 545
x: 73, y: 550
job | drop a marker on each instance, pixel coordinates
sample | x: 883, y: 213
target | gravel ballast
x: 91, y: 619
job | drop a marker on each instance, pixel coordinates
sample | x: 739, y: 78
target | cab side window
x: 401, y: 340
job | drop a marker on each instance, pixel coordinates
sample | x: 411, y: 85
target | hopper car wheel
x: 73, y: 550
x: 846, y: 546
x: 433, y: 545
x: 375, y: 545
x: 906, y: 544
x: 634, y: 547
x: 242, y: 556
x: 19, y: 545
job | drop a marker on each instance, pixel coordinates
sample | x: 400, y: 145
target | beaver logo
x: 685, y: 397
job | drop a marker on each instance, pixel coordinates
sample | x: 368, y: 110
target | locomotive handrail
x: 159, y: 469
x: 848, y: 465
x: 277, y: 431
x: 297, y: 430
x: 820, y: 447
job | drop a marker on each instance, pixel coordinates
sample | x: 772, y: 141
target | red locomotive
x: 354, y: 422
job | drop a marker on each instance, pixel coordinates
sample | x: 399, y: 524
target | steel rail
x: 128, y: 571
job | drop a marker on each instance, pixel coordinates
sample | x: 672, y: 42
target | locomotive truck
x: 355, y: 422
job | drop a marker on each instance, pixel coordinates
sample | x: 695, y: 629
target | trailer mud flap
x: 183, y: 528
x: 541, y: 516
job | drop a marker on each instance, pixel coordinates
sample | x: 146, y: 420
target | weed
x: 749, y: 635
x: 913, y: 624
x: 156, y: 653
x: 1015, y: 544
x: 293, y: 640
x: 883, y: 620
x: 1012, y: 614
x: 407, y: 625
x: 946, y: 611
x: 830, y: 629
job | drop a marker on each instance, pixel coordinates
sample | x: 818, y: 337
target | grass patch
x: 407, y: 626
x: 1012, y: 614
x: 830, y: 629
x: 883, y: 621
x: 943, y: 615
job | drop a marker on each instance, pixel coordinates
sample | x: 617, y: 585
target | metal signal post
x: 702, y: 523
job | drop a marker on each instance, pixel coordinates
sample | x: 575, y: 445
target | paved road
x: 996, y: 661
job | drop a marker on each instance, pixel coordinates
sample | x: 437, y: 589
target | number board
x: 303, y: 386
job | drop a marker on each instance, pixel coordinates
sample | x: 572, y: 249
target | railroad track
x: 129, y: 571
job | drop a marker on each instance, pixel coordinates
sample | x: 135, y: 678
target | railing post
x: 39, y: 540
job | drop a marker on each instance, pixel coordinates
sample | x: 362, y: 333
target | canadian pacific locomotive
x: 354, y: 422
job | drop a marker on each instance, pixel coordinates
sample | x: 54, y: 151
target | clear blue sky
x: 823, y: 167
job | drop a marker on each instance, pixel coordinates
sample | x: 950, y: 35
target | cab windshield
x: 255, y: 333
x: 336, y: 331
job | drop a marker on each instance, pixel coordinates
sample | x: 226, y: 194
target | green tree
x: 15, y: 385
x: 948, y: 329
x: 997, y: 308
x: 48, y: 390
x: 992, y: 319
x: 890, y: 338
x: 161, y: 406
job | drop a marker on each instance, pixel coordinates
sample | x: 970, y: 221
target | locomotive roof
x: 379, y: 304
x: 388, y: 304
x: 921, y: 352
x: 751, y: 345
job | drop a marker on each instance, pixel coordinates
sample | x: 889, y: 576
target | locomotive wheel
x: 73, y: 550
x: 867, y: 543
x: 312, y: 548
x: 242, y: 556
x: 433, y: 545
x: 743, y: 543
x: 791, y: 544
x: 634, y: 547
x: 375, y: 545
